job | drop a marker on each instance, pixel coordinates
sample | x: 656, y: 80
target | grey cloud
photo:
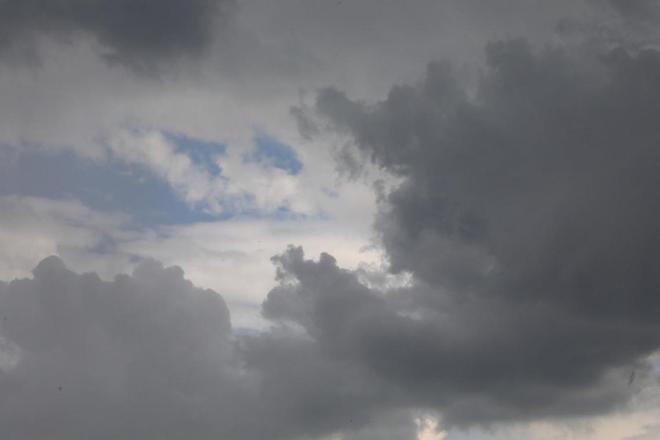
x: 143, y: 356
x: 638, y: 9
x: 546, y: 178
x: 140, y: 33
x: 528, y: 216
x: 306, y: 394
x: 151, y: 356
x: 479, y: 361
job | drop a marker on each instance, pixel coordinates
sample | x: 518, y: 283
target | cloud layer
x: 139, y: 34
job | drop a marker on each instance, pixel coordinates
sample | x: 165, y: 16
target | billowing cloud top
x: 151, y: 356
x: 145, y: 355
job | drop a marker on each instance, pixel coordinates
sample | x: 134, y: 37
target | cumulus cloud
x: 527, y: 217
x: 474, y: 361
x: 142, y: 356
x: 149, y: 355
x: 139, y: 34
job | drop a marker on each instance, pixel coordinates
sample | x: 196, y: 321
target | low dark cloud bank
x: 139, y: 33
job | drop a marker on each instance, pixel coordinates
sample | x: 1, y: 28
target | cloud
x: 637, y: 9
x: 527, y: 216
x: 143, y: 356
x: 225, y: 182
x: 153, y: 150
x: 524, y: 223
x: 219, y: 254
x: 223, y: 255
x: 32, y: 228
x: 140, y: 34
x: 474, y: 361
x: 149, y: 355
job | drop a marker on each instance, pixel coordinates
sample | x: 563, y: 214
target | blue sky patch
x: 270, y: 150
x: 131, y: 189
x: 103, y: 186
x: 202, y: 153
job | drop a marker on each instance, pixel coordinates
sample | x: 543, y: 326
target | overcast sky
x: 330, y: 219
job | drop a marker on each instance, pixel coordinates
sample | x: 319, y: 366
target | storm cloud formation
x: 138, y: 33
x: 529, y: 212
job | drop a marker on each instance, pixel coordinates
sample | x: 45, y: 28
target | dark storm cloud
x: 528, y: 216
x: 544, y: 183
x: 638, y: 9
x: 478, y: 361
x: 139, y: 33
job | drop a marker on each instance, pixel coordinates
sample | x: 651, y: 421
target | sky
x: 330, y: 219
